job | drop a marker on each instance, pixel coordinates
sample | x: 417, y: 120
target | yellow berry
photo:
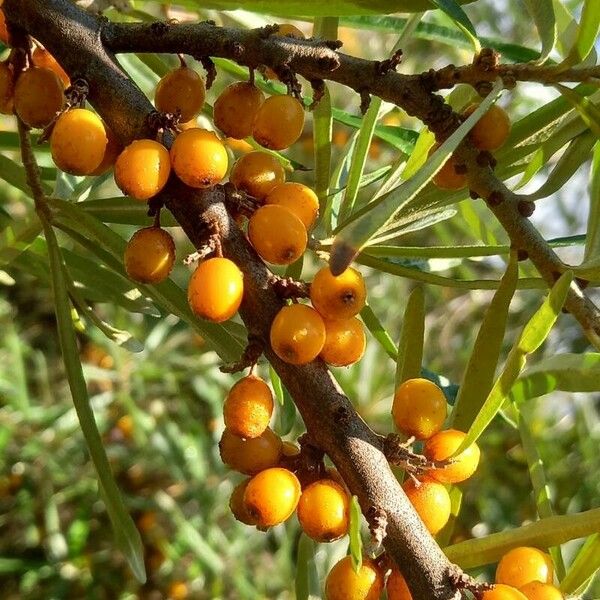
x: 248, y: 407
x: 323, y: 511
x: 199, y: 158
x: 297, y: 334
x: 338, y: 297
x: 396, y: 586
x: 149, y: 255
x: 181, y: 90
x: 78, y: 142
x: 235, y: 110
x: 277, y: 234
x: 492, y: 129
x: 271, y: 496
x: 237, y: 505
x: 257, y: 173
x: 344, y: 583
x: 111, y: 152
x: 279, y: 122
x: 42, y: 58
x: 178, y: 591
x: 536, y: 590
x: 447, y: 178
x: 503, y: 592
x: 142, y: 169
x: 431, y: 501
x: 39, y: 96
x: 7, y: 88
x: 524, y: 564
x: 298, y: 198
x: 345, y: 342
x: 216, y: 289
x: 441, y: 446
x: 419, y: 408
x: 252, y: 455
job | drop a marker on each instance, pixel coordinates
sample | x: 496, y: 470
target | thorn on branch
x: 365, y: 101
x: 399, y: 453
x: 252, y: 352
x: 318, y: 87
x: 289, y: 289
x: 463, y: 582
x: 377, y: 520
x: 211, y: 70
x: 389, y: 64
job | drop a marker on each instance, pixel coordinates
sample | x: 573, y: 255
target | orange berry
x: 142, y: 169
x: 524, y: 564
x: 419, y: 408
x: 536, y: 590
x: 323, y: 511
x: 199, y: 158
x: 277, y: 234
x: 42, y: 58
x: 279, y: 122
x: 181, y: 90
x: 447, y: 178
x: 503, y: 592
x: 78, y: 142
x: 250, y: 456
x: 235, y: 110
x: 431, y: 501
x: 271, y: 496
x: 345, y: 342
x: 248, y: 407
x: 149, y: 255
x: 178, y: 591
x: 492, y: 129
x: 39, y: 96
x: 441, y: 446
x: 297, y: 334
x: 344, y: 583
x: 216, y: 289
x: 257, y: 173
x: 7, y: 89
x: 238, y: 506
x: 338, y: 297
x: 126, y: 426
x: 396, y: 586
x: 147, y: 521
x: 111, y: 152
x: 3, y: 29
x: 298, y: 198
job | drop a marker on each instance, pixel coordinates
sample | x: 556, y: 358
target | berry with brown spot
x: 257, y: 173
x: 39, y: 96
x: 182, y: 90
x: 149, y: 255
x: 338, y: 297
x: 235, y: 110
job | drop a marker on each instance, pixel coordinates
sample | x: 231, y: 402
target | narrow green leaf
x: 534, y: 333
x: 412, y: 336
x: 592, y: 243
x: 542, y: 12
x: 123, y: 210
x: 588, y: 32
x: 378, y: 331
x: 306, y: 582
x: 545, y: 533
x: 127, y: 536
x: 17, y: 237
x: 14, y: 174
x: 354, y: 534
x: 588, y: 111
x: 584, y: 567
x: 479, y: 375
x: 418, y: 156
x: 460, y: 18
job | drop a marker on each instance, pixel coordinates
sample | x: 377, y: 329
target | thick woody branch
x: 74, y: 38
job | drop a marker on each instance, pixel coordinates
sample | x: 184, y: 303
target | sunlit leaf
x: 412, y: 336
x: 354, y: 534
x: 542, y: 12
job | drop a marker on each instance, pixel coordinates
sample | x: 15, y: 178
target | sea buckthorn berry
x: 277, y: 234
x: 235, y: 110
x: 441, y: 446
x: 142, y: 169
x: 492, y: 129
x: 419, y: 408
x: 298, y: 198
x: 271, y: 496
x: 216, y: 289
x: 42, y: 58
x: 338, y: 297
x: 238, y: 506
x: 536, y: 590
x: 111, y: 152
x: 431, y: 501
x: 182, y: 90
x: 447, y: 178
x: 199, y: 158
x: 297, y: 334
x: 248, y: 407
x: 178, y: 590
x: 345, y: 342
x: 7, y: 89
x: 344, y: 583
x: 257, y: 173
x: 250, y: 456
x: 149, y: 255
x: 503, y: 592
x: 3, y: 29
x: 279, y: 122
x: 323, y: 511
x: 39, y: 95
x: 396, y: 586
x: 78, y: 142
x: 524, y: 564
